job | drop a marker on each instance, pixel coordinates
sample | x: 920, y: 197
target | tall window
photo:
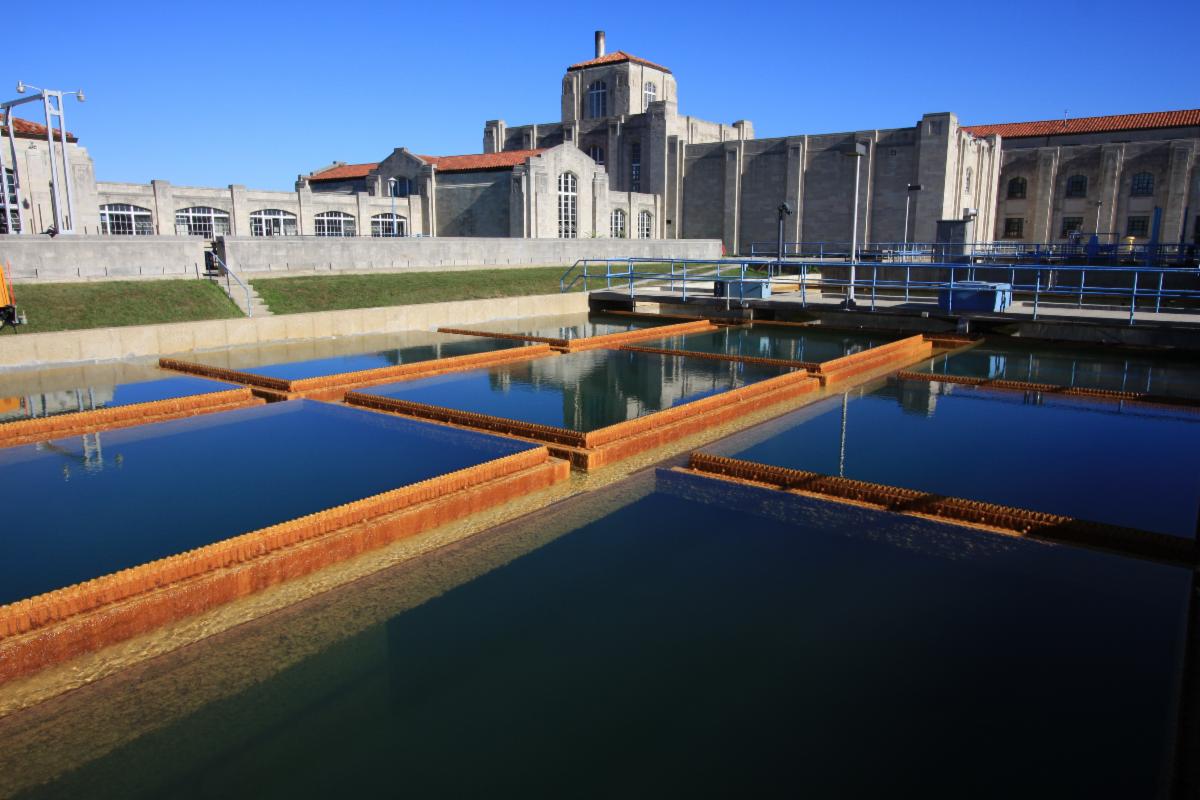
x: 273, y: 222
x: 12, y: 224
x: 398, y: 187
x: 388, y: 225
x: 568, y: 206
x: 970, y: 173
x: 1142, y: 185
x: 1077, y: 186
x: 1017, y: 188
x: 635, y: 167
x: 1071, y: 225
x: 597, y: 99
x: 203, y: 221
x: 122, y: 219
x: 645, y: 225
x: 1014, y: 227
x: 596, y: 153
x: 334, y: 223
x: 617, y: 224
x: 1138, y: 226
x: 649, y: 93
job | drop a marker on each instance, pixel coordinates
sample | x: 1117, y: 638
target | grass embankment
x: 75, y: 306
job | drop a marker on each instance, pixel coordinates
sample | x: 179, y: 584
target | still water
x: 571, y: 326
x: 775, y: 341
x: 102, y: 502
x: 581, y: 391
x: 683, y: 644
x: 1124, y: 465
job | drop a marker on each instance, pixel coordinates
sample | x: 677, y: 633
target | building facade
x: 622, y: 162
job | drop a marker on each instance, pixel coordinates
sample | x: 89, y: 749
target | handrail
x: 230, y: 273
x: 1092, y: 252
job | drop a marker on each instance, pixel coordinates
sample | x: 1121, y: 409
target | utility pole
x: 52, y: 106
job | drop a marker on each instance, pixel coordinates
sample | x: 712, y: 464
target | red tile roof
x: 30, y: 130
x: 343, y: 172
x: 615, y: 57
x: 506, y: 159
x: 1109, y: 124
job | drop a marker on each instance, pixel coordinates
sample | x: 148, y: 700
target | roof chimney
x: 599, y: 43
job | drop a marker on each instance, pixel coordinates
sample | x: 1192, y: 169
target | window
x: 203, y: 221
x: 596, y: 153
x: 1142, y: 185
x: 635, y: 167
x: 568, y: 197
x: 388, y: 225
x: 1017, y: 188
x: 645, y: 225
x: 273, y: 222
x: 1138, y: 226
x: 1014, y: 227
x: 122, y: 219
x: 397, y: 187
x: 597, y: 100
x: 12, y: 224
x: 649, y: 93
x: 334, y: 223
x: 967, y: 180
x: 617, y: 224
x: 1077, y: 186
x: 1071, y: 225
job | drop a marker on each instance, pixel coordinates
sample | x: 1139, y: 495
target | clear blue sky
x: 254, y: 93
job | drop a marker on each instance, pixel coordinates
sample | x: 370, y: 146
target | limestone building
x: 623, y: 162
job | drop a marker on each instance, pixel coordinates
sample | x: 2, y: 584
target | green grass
x: 74, y: 306
x: 333, y: 292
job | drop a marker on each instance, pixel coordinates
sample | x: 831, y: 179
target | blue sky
x: 255, y: 93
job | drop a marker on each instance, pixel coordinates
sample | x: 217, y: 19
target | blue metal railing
x: 1091, y: 253
x: 1143, y: 289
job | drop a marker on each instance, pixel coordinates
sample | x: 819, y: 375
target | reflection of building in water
x: 90, y: 455
x: 918, y: 397
x: 49, y: 404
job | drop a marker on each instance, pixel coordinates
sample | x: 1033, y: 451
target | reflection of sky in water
x: 108, y: 501
x: 580, y: 391
x: 685, y: 644
x: 1097, y: 460
x: 87, y: 398
x: 1096, y: 369
x: 453, y: 346
x: 766, y: 341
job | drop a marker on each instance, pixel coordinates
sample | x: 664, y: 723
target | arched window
x: 1017, y: 188
x: 122, y: 219
x: 970, y: 173
x: 388, y: 225
x: 596, y: 153
x: 649, y: 93
x: 568, y: 206
x: 597, y: 99
x: 1142, y: 185
x: 334, y: 223
x: 398, y: 187
x: 1077, y: 186
x: 203, y: 221
x: 617, y: 224
x: 12, y: 223
x: 273, y: 222
x: 645, y: 225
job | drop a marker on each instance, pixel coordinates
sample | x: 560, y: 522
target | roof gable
x: 505, y: 159
x: 616, y: 57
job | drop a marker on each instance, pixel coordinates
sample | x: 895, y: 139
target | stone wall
x: 74, y: 258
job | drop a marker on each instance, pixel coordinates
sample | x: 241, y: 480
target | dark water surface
x: 581, y: 391
x: 1125, y: 465
x: 680, y: 647
x: 775, y: 341
x: 87, y: 397
x: 571, y: 326
x: 91, y: 505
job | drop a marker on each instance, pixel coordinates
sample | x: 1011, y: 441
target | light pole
x: 785, y: 210
x: 912, y: 187
x: 392, y: 191
x: 52, y: 106
x: 857, y: 151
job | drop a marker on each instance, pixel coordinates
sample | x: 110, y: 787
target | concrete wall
x: 143, y: 341
x: 304, y: 253
x: 74, y: 258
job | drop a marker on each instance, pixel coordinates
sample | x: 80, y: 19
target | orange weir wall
x: 593, y: 342
x: 27, y: 431
x: 1051, y: 388
x: 68, y: 622
x: 1007, y: 519
x: 899, y: 353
